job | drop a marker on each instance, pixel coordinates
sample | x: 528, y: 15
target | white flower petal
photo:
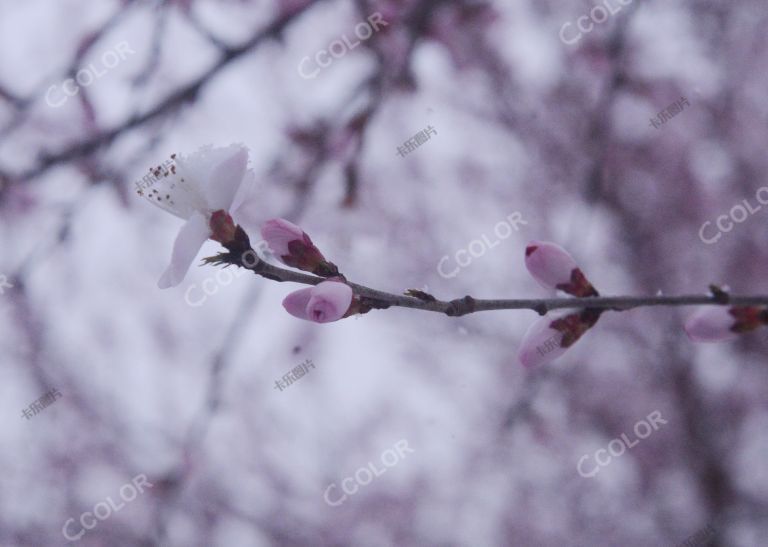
x: 205, y: 159
x: 208, y: 180
x: 248, y: 210
x: 191, y: 237
x: 226, y: 178
x: 176, y: 191
x: 200, y: 166
x: 246, y: 194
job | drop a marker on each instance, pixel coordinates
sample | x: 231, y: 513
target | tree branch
x: 173, y: 101
x: 248, y: 259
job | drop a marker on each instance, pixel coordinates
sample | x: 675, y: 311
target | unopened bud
x: 294, y: 247
x: 554, y: 268
x: 720, y: 323
x: 222, y: 227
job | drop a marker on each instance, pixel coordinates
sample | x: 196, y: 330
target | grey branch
x: 468, y: 304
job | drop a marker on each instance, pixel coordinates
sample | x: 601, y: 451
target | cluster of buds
x: 327, y: 301
x: 549, y: 337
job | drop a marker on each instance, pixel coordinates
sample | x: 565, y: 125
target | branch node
x: 421, y: 295
x: 460, y: 306
x: 719, y: 295
x: 367, y: 303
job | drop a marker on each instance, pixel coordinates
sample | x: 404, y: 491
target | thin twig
x: 468, y: 304
x: 175, y: 100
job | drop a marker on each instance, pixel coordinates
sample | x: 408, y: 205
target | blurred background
x: 548, y: 110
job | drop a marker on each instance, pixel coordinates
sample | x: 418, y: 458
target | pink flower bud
x: 712, y: 324
x: 553, y: 268
x: 550, y: 337
x: 295, y: 248
x: 278, y: 233
x: 296, y: 303
x: 328, y: 301
x: 541, y: 344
